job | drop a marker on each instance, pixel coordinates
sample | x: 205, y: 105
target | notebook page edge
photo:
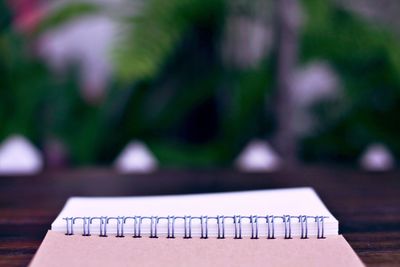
x: 74, y: 201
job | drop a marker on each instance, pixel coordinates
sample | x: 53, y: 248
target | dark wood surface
x: 366, y: 204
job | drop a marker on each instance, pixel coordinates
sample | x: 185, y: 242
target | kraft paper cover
x: 58, y: 249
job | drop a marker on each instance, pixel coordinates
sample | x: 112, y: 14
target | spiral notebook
x: 282, y: 227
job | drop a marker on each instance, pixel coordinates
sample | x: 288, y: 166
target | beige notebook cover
x: 59, y: 249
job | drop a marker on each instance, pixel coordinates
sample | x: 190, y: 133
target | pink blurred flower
x: 27, y: 14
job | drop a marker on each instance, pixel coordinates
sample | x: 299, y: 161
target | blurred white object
x: 246, y: 42
x: 312, y: 83
x: 136, y: 157
x: 18, y: 157
x: 258, y: 156
x: 86, y: 41
x: 377, y: 157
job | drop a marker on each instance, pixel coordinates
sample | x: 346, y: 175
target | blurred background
x: 260, y: 85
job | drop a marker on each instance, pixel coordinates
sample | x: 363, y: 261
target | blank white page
x: 278, y: 202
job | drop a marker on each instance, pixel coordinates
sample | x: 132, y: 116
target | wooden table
x: 366, y: 204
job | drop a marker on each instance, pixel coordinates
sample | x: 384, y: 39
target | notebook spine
x: 254, y: 220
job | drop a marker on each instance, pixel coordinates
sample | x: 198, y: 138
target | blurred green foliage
x: 65, y: 14
x: 23, y: 84
x: 173, y: 92
x: 39, y: 105
x: 188, y: 107
x: 156, y: 31
x: 366, y: 56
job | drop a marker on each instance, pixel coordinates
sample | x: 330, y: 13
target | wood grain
x: 366, y: 204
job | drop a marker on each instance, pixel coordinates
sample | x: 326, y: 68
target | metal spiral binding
x: 70, y: 228
x: 237, y: 220
x: 220, y: 220
x: 270, y: 226
x: 120, y: 225
x: 171, y: 227
x: 85, y: 224
x: 221, y: 226
x: 254, y: 226
x: 102, y: 224
x: 288, y: 226
x: 320, y: 226
x: 303, y: 226
x: 204, y: 227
